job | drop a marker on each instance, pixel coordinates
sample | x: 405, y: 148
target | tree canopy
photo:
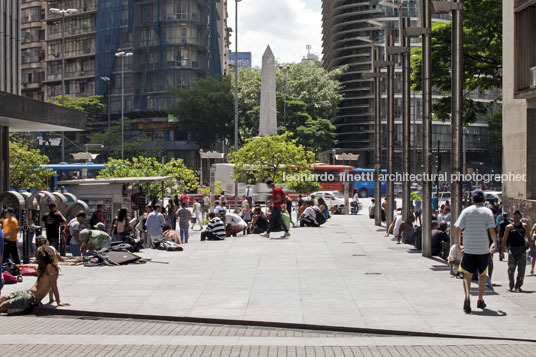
x: 274, y: 158
x: 184, y: 178
x: 25, y: 171
x: 206, y: 110
x: 92, y: 105
x: 482, y: 58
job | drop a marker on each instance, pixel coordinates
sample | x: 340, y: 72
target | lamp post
x: 377, y: 64
x: 122, y: 55
x: 236, y: 96
x: 63, y: 12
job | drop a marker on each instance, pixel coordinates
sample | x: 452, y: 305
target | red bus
x: 329, y: 176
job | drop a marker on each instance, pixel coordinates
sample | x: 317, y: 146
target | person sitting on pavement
x: 47, y: 281
x: 94, y: 239
x: 215, y: 229
x: 170, y: 233
x: 391, y: 228
x: 233, y: 224
x: 259, y: 223
x: 75, y: 226
x: 218, y: 209
x: 308, y: 217
x: 440, y: 239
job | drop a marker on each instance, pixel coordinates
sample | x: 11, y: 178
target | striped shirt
x: 476, y: 221
x: 216, y: 227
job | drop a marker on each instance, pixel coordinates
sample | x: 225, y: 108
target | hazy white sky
x: 286, y: 25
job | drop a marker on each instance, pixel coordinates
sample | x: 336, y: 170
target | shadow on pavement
x: 488, y: 312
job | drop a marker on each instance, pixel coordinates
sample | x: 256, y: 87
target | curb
x: 44, y: 311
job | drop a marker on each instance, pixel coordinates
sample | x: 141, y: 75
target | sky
x: 286, y: 25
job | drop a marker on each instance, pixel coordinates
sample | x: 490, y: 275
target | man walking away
x: 197, y: 215
x: 475, y: 221
x: 516, y: 237
x: 249, y: 195
x: 155, y: 221
x: 52, y: 221
x: 278, y: 199
x: 215, y: 229
x: 185, y: 216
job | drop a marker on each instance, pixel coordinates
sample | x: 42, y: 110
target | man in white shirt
x: 233, y: 223
x: 475, y: 221
x: 308, y: 217
x: 155, y: 221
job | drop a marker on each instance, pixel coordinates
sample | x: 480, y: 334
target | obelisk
x: 268, y: 118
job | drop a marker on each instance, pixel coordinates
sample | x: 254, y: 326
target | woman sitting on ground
x: 47, y: 282
x: 259, y: 223
x: 170, y: 233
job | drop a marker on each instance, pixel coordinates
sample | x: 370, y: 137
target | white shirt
x: 249, y: 192
x: 235, y: 220
x: 475, y: 221
x: 310, y: 213
x: 398, y: 222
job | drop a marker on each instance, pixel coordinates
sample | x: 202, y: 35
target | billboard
x: 244, y: 59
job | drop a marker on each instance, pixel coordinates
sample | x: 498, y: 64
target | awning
x: 24, y: 114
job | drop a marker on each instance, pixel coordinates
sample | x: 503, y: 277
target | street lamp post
x: 62, y: 12
x: 122, y: 55
x: 426, y: 21
x: 236, y: 96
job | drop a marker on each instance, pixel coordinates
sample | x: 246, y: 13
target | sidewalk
x: 342, y: 274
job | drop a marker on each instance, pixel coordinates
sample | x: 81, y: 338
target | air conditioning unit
x: 532, y: 77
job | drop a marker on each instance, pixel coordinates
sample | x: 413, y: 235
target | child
x: 46, y: 284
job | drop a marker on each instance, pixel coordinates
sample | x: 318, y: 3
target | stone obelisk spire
x: 268, y: 119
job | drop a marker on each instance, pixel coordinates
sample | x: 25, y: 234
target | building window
x: 525, y: 47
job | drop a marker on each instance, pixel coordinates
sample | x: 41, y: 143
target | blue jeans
x: 184, y: 234
x: 75, y: 250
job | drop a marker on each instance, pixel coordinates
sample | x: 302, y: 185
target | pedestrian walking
x: 533, y: 248
x: 475, y: 221
x: 278, y: 199
x: 185, y: 216
x: 249, y: 195
x: 53, y: 220
x: 10, y: 230
x: 516, y: 238
x: 197, y: 214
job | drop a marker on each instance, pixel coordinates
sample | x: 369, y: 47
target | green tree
x: 25, y: 171
x: 482, y: 58
x: 311, y: 94
x: 183, y: 178
x: 272, y: 158
x: 206, y: 110
x: 92, y: 105
x: 139, y: 145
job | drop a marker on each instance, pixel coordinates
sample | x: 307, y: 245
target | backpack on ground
x: 320, y: 218
x: 11, y: 267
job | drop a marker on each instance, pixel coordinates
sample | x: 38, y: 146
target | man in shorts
x: 475, y: 221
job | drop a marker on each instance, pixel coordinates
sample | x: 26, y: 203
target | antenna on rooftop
x: 308, y: 47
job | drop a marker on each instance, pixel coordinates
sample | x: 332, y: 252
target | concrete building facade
x: 519, y: 105
x: 33, y: 49
x: 18, y: 113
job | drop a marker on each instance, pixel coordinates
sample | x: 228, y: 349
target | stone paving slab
x: 342, y: 274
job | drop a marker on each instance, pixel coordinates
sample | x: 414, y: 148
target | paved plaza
x: 58, y: 336
x: 345, y: 273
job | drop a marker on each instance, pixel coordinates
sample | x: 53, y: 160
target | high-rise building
x: 223, y: 35
x: 80, y: 49
x: 344, y: 23
x: 33, y: 28
x: 519, y: 106
x: 18, y: 113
